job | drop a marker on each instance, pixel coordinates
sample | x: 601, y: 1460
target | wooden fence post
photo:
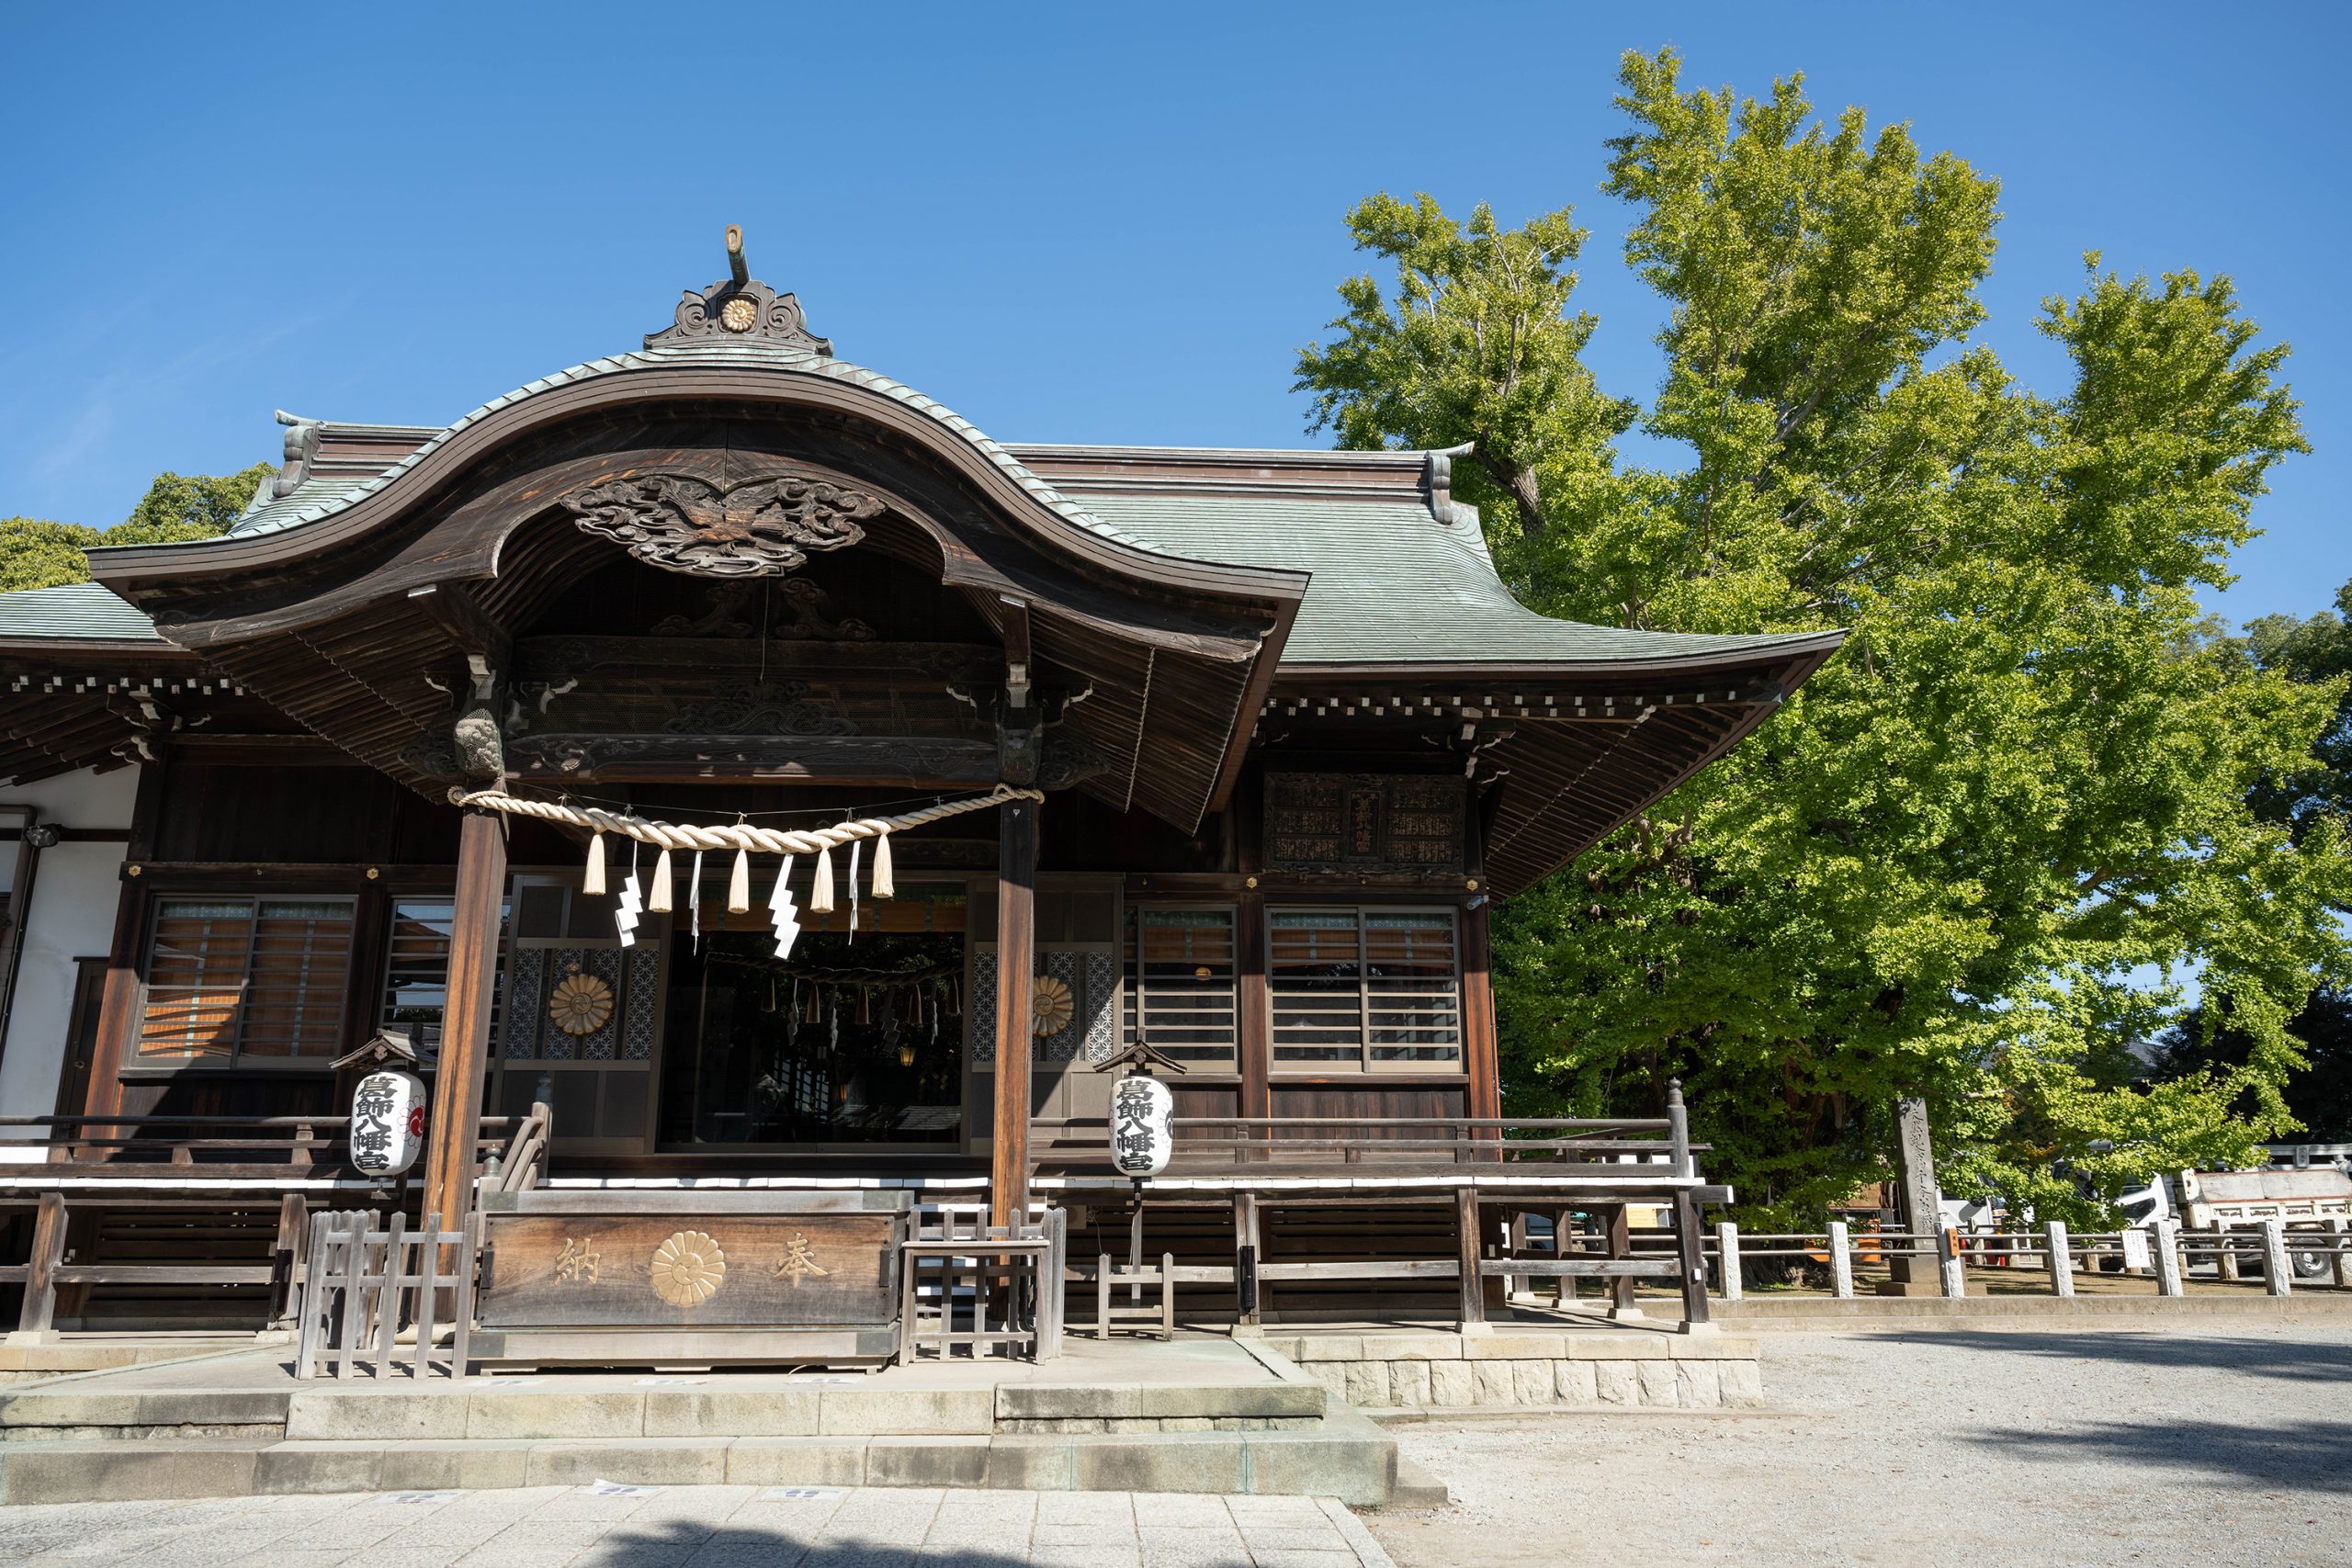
x: 1727, y: 1248
x: 2166, y: 1242
x: 2277, y: 1268
x: 2062, y: 1259
x: 1841, y: 1262
x: 1951, y: 1273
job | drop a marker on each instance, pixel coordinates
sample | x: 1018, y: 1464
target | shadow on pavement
x: 2291, y: 1456
x: 673, y: 1544
x: 2303, y: 1360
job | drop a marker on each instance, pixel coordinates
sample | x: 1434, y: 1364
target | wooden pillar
x: 1621, y: 1246
x: 1692, y: 1261
x: 286, y: 1259
x: 41, y: 1271
x: 1247, y: 1292
x: 1474, y: 1289
x: 1479, y: 1049
x: 465, y: 1019
x: 120, y: 998
x: 1016, y: 967
x: 1253, y: 1023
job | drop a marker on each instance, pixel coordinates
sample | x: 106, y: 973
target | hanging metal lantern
x: 387, y: 1122
x: 1143, y: 1134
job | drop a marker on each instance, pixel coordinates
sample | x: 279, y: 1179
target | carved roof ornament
x: 740, y: 306
x: 763, y: 528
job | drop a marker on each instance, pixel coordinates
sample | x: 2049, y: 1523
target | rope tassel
x: 883, y: 885
x: 821, y: 892
x: 657, y: 897
x: 593, y: 882
x: 738, y: 885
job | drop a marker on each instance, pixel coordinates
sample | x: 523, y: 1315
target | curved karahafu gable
x: 1125, y: 609
x: 719, y: 455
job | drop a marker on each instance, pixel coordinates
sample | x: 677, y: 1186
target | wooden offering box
x: 687, y: 1278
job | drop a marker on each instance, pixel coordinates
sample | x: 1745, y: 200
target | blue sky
x: 1091, y: 223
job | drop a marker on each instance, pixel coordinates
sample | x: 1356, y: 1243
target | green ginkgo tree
x: 1979, y: 856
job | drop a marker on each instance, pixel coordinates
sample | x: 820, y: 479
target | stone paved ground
x: 2214, y: 1441
x: 708, y: 1527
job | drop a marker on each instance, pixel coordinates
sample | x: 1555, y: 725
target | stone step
x: 1416, y: 1488
x: 1343, y: 1455
x: 399, y: 1410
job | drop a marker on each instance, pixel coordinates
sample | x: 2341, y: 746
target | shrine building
x: 1070, y: 760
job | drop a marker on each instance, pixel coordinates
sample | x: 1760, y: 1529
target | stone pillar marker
x: 2278, y: 1267
x: 1727, y: 1246
x: 1921, y: 1201
x: 2062, y: 1259
x: 1841, y: 1261
x: 2166, y: 1241
x: 2340, y: 1235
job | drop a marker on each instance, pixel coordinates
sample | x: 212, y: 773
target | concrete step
x: 1416, y: 1488
x: 1342, y: 1455
x: 398, y: 1409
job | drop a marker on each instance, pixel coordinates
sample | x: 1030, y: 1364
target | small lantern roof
x: 385, y: 1048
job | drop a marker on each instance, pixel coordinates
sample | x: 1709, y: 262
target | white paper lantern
x: 1141, y: 1135
x: 387, y: 1122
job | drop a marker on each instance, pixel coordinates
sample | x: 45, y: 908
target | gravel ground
x: 2219, y: 1443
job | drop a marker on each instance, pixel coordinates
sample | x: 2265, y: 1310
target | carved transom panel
x: 760, y: 528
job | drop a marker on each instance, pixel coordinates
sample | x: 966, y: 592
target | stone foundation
x: 1529, y: 1368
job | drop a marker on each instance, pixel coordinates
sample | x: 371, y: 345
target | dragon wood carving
x: 761, y: 528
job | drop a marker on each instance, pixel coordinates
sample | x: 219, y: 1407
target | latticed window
x: 246, y: 979
x: 1369, y: 990
x: 1180, y: 965
x: 416, y: 970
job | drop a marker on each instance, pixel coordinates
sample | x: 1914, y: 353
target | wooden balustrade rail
x: 143, y: 1154
x: 1422, y: 1140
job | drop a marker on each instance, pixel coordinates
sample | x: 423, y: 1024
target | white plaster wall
x: 72, y: 915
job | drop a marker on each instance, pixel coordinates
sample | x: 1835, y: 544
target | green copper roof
x: 1391, y: 582
x: 82, y: 611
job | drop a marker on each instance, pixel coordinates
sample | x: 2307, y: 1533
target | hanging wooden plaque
x: 1364, y: 823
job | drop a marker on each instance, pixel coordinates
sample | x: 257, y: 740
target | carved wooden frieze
x: 1366, y: 823
x: 741, y: 704
x: 763, y: 528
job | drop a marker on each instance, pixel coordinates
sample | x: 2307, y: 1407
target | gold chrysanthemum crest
x: 1051, y: 1007
x: 688, y: 1268
x: 580, y: 1004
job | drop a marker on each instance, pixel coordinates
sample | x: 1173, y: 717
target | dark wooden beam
x: 454, y: 610
x: 900, y: 761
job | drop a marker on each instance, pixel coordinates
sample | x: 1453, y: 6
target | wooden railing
x: 229, y: 1162
x: 222, y: 1146
x: 1290, y: 1142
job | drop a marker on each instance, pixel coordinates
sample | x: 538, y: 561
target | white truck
x: 2303, y: 1199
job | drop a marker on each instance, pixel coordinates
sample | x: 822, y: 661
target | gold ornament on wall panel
x: 687, y: 1269
x: 580, y: 1004
x: 1051, y: 1007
